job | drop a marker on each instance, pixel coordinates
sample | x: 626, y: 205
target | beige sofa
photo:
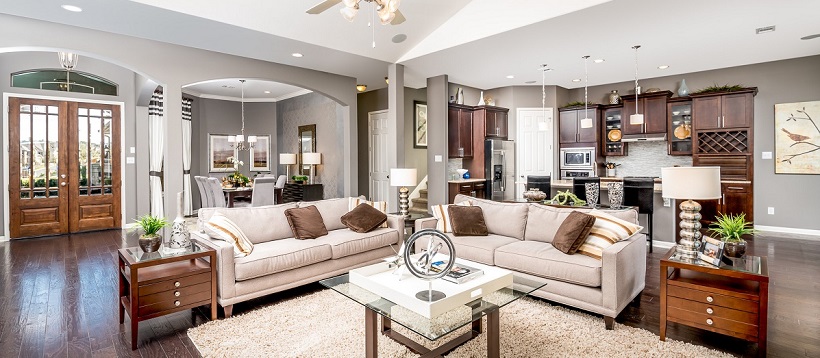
x: 520, y: 240
x: 279, y: 261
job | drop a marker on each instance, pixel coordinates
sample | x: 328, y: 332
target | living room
x: 191, y: 53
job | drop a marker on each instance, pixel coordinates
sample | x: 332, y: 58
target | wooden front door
x: 64, y: 168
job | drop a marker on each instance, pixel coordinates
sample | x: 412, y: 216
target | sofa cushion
x: 260, y: 223
x: 222, y: 228
x: 606, y: 231
x: 467, y: 220
x: 359, y: 200
x: 364, y: 218
x: 331, y: 210
x: 345, y: 242
x: 280, y: 255
x: 505, y: 219
x: 306, y: 222
x: 573, y: 232
x: 474, y: 248
x: 541, y: 259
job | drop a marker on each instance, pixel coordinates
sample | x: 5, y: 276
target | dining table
x: 232, y: 193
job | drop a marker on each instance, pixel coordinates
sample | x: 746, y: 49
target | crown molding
x: 247, y: 100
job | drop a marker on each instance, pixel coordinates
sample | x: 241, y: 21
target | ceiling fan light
x: 382, y: 12
x: 393, y: 5
x: 350, y: 3
x: 390, y: 17
x: 349, y: 13
x: 636, y: 119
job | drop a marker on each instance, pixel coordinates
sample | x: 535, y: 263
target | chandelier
x: 238, y: 141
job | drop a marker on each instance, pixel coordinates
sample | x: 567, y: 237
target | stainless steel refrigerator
x: 499, y: 169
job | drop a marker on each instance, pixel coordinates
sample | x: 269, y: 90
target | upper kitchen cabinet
x: 494, y: 120
x: 569, y: 125
x: 723, y: 110
x: 652, y: 106
x: 460, y: 131
x: 680, y: 126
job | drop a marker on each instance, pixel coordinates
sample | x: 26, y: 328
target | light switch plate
x: 132, y: 150
x: 438, y: 159
x: 129, y: 160
x: 667, y: 202
x: 771, y: 210
x: 767, y: 155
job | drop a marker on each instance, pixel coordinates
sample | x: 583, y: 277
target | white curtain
x: 186, y: 155
x: 156, y: 136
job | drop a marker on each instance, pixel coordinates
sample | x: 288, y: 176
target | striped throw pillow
x: 221, y: 228
x: 381, y: 205
x: 442, y: 215
x: 606, y: 231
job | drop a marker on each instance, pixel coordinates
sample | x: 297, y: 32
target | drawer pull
x: 176, y: 284
x: 710, y: 310
x: 734, y: 188
x: 709, y: 299
x: 709, y: 321
x: 177, y: 303
x: 176, y: 294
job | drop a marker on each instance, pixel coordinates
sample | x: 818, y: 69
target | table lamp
x: 312, y: 159
x: 287, y: 159
x: 700, y: 183
x: 403, y: 178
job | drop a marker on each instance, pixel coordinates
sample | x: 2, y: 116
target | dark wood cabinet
x: 680, y: 126
x: 569, y: 125
x: 724, y: 110
x: 494, y: 120
x: 653, y: 108
x: 475, y: 189
x: 460, y: 131
x: 736, y: 198
x: 293, y: 192
x: 611, y: 132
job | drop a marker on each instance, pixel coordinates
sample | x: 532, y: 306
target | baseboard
x: 3, y: 238
x: 788, y: 230
x: 663, y: 244
x: 129, y: 226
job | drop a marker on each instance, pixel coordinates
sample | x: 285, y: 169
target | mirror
x: 307, y: 144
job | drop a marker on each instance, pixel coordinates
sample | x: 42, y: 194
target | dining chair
x: 280, y: 182
x: 204, y: 200
x: 640, y: 192
x: 217, y: 196
x: 542, y: 182
x: 263, y: 191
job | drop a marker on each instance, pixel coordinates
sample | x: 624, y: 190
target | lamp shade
x: 403, y: 177
x: 312, y: 158
x: 287, y: 158
x: 698, y: 183
x: 586, y: 123
x: 636, y: 119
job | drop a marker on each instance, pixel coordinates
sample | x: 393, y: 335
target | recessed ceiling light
x: 510, y: 76
x: 810, y: 37
x: 663, y: 67
x: 576, y: 80
x: 296, y: 54
x: 72, y: 8
x: 764, y: 30
x: 529, y: 82
x: 267, y: 92
x: 599, y: 60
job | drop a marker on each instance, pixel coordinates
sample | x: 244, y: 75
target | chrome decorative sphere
x: 421, y: 267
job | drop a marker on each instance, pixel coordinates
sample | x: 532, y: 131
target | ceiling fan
x: 387, y: 10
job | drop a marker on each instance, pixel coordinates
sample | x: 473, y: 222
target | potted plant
x: 150, y: 240
x: 299, y: 179
x: 731, y: 229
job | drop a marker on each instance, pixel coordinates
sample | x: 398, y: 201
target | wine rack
x: 736, y: 141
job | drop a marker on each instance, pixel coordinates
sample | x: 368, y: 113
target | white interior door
x: 534, y: 140
x: 377, y: 151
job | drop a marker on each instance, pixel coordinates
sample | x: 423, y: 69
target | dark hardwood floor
x: 58, y: 299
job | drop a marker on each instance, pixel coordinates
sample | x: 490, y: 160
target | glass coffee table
x: 437, y: 327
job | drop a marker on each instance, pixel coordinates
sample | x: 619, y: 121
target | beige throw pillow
x: 381, y: 205
x: 442, y: 215
x: 221, y: 228
x: 606, y: 231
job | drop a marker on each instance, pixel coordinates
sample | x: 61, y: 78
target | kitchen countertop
x: 471, y: 180
x: 567, y: 183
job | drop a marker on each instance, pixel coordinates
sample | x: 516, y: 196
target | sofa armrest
x: 624, y: 272
x: 426, y: 223
x: 395, y: 222
x: 225, y: 269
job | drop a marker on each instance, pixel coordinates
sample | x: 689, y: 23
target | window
x: 61, y: 80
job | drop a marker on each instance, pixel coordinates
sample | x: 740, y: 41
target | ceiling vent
x: 764, y: 30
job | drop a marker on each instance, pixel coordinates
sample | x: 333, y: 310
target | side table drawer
x: 715, y: 324
x: 196, y: 299
x: 712, y: 298
x: 175, y: 294
x: 713, y: 310
x: 175, y: 283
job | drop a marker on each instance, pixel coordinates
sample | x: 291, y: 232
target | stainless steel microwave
x: 577, y: 158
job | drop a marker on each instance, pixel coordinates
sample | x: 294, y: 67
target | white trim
x: 247, y: 100
x: 293, y: 94
x: 663, y: 244
x: 788, y: 230
x: 6, y: 96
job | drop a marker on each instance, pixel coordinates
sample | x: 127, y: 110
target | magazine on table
x: 460, y: 273
x: 711, y: 250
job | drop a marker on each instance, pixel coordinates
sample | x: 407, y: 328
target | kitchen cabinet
x: 473, y: 188
x: 569, y: 125
x: 736, y: 198
x: 652, y: 106
x: 612, y: 132
x: 724, y: 110
x: 494, y: 120
x: 460, y: 131
x: 680, y: 126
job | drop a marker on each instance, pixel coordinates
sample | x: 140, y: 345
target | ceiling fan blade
x: 322, y: 6
x: 398, y: 19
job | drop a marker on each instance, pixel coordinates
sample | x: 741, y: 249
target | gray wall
x: 437, y: 97
x: 795, y: 198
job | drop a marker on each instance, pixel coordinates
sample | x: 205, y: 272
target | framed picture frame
x: 260, y: 154
x: 219, y: 150
x: 711, y: 250
x: 797, y: 138
x: 419, y: 124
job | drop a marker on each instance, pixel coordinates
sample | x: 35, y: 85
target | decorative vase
x: 610, y: 172
x: 616, y: 194
x: 614, y: 97
x: 734, y: 249
x: 460, y: 96
x: 683, y: 91
x: 180, y: 237
x: 466, y: 175
x: 535, y: 194
x: 481, y: 99
x: 150, y: 243
x: 592, y: 191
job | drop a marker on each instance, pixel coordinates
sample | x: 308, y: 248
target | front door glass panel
x: 39, y: 141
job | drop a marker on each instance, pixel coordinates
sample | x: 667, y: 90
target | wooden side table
x: 730, y: 299
x: 157, y: 283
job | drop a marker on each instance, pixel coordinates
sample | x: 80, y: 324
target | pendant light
x: 543, y: 126
x: 238, y: 141
x: 586, y: 122
x: 637, y: 118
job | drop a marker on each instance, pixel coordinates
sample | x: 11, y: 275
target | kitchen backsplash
x: 452, y: 165
x: 646, y: 159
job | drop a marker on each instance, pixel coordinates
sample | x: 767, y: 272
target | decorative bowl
x: 675, y: 113
x: 687, y: 111
x: 461, y: 172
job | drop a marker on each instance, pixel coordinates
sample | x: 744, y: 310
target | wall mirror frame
x: 307, y: 144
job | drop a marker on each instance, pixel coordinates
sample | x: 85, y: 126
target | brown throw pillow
x: 573, y: 232
x: 306, y: 223
x: 467, y: 220
x: 363, y: 218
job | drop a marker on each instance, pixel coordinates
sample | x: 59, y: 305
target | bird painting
x: 794, y: 136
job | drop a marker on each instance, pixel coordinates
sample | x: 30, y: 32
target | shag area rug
x: 326, y: 324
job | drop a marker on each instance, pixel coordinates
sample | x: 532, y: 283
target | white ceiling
x: 230, y: 89
x: 477, y: 43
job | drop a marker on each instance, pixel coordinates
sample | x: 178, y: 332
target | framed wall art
x: 260, y: 154
x: 797, y: 138
x: 219, y: 150
x: 420, y: 124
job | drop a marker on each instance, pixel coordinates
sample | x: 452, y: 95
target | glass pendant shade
x: 636, y: 119
x: 240, y: 138
x: 586, y: 123
x: 68, y: 60
x: 349, y: 13
x: 350, y: 3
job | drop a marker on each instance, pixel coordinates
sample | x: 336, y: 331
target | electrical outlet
x: 667, y: 202
x: 129, y: 160
x: 767, y: 155
x: 132, y: 150
x: 771, y: 210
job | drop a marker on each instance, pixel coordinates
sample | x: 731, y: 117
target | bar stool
x: 640, y: 192
x: 542, y: 182
x: 579, y: 186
